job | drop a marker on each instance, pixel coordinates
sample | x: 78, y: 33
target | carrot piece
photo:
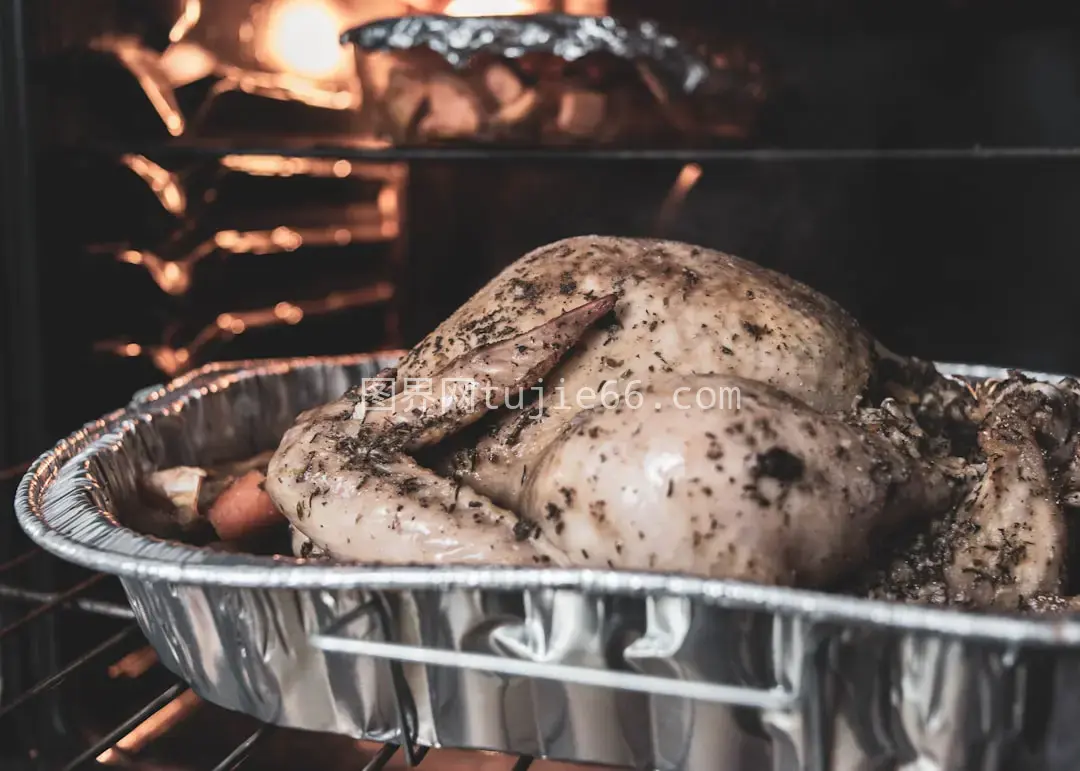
x: 244, y: 508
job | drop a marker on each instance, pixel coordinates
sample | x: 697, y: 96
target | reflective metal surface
x: 812, y: 681
x: 458, y: 39
x: 551, y: 80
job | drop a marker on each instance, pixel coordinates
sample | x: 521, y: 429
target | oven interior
x: 82, y: 690
x: 189, y: 181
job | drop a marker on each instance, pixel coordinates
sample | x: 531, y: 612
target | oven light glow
x: 287, y: 166
x: 142, y: 63
x: 188, y: 19
x: 184, y: 63
x: 136, y: 663
x: 164, y: 184
x: 289, y: 313
x: 229, y: 323
x: 389, y: 209
x: 150, y: 729
x: 174, y: 360
x: 585, y: 7
x: 493, y: 7
x: 302, y: 38
x: 684, y: 183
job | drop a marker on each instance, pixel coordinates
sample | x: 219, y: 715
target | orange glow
x: 288, y: 313
x: 684, y: 183
x: 301, y: 37
x: 495, y: 7
x: 150, y: 729
x: 173, y: 277
x: 142, y: 62
x: 163, y: 183
x: 184, y: 63
x: 288, y: 166
x: 188, y: 19
x: 230, y: 323
x: 387, y: 203
x: 373, y: 224
x: 687, y: 178
x: 174, y: 361
x: 137, y: 663
x: 585, y: 7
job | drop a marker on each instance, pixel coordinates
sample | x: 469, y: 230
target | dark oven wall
x: 265, y: 227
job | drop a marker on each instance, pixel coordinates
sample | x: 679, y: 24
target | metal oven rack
x: 73, y: 598
x: 27, y: 607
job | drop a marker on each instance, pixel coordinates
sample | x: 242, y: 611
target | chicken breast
x: 652, y: 405
x: 724, y: 477
x: 344, y: 477
x: 769, y: 487
x: 681, y: 310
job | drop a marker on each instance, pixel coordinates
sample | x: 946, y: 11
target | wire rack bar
x: 381, y: 758
x: 242, y: 751
x: 56, y: 677
x: 22, y: 559
x: 124, y: 728
x: 58, y: 600
x: 209, y: 148
x: 97, y: 607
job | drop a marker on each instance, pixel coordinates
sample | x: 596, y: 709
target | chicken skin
x: 767, y: 489
x: 682, y: 310
x: 563, y: 465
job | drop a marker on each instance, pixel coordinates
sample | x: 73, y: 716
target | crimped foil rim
x: 135, y: 556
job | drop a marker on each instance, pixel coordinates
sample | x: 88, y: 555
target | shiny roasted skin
x: 682, y: 310
x: 773, y: 492
x: 783, y: 490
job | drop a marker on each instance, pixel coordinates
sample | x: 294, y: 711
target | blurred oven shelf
x: 299, y: 148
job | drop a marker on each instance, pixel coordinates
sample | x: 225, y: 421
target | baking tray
x: 635, y: 669
x: 652, y: 86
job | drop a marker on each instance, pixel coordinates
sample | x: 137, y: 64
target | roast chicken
x: 651, y: 405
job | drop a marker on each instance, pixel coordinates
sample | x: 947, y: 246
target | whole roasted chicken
x: 652, y: 405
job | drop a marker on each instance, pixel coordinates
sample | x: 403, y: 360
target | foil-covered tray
x: 635, y: 669
x: 552, y: 79
x: 459, y: 38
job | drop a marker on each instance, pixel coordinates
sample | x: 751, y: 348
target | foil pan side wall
x: 869, y: 701
x: 870, y: 695
x: 246, y: 650
x: 82, y: 493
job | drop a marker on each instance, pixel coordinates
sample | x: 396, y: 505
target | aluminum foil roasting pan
x: 644, y: 670
x: 551, y: 78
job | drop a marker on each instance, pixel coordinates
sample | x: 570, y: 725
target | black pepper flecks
x: 779, y: 464
x: 524, y: 530
x: 756, y: 331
